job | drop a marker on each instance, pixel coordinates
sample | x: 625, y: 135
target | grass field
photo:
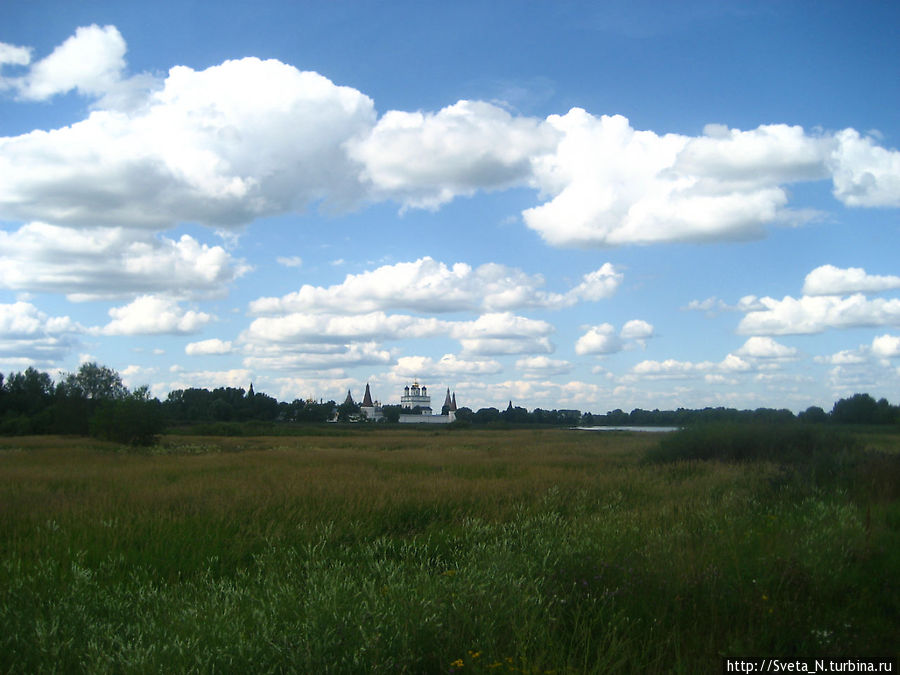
x: 528, y: 551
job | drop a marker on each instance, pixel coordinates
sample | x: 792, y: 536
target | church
x: 416, y: 400
x: 415, y: 406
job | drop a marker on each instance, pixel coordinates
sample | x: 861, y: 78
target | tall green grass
x: 473, y: 551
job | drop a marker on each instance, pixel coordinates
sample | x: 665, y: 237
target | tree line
x: 94, y: 401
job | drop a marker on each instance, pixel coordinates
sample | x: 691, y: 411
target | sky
x: 589, y: 205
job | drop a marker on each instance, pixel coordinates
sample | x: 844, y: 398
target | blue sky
x: 562, y: 204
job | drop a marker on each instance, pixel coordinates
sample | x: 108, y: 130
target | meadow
x: 448, y: 551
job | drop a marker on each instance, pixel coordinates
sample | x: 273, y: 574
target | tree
x: 485, y: 415
x: 391, y: 413
x: 858, y: 409
x: 135, y: 419
x: 347, y: 410
x: 464, y: 414
x: 96, y: 383
x: 813, y: 415
x: 29, y: 392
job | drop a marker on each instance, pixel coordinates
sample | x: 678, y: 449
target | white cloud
x: 814, y: 314
x: 426, y: 159
x: 12, y: 55
x: 636, y: 329
x: 111, y: 262
x: 611, y: 184
x: 542, y: 366
x: 846, y: 357
x: 766, y: 348
x: 674, y: 369
x: 287, y: 358
x: 91, y: 61
x: 312, y: 328
x: 599, y: 284
x: 321, y: 338
x: 290, y: 261
x: 603, y: 339
x: 768, y: 155
x: 221, y: 146
x: 600, y: 339
x: 208, y: 347
x: 503, y: 333
x: 500, y: 325
x: 250, y: 138
x: 714, y: 305
x: 497, y: 346
x: 29, y: 336
x: 238, y: 378
x: 531, y: 393
x: 831, y: 280
x: 427, y: 285
x: 154, y: 315
x: 864, y: 174
x: 448, y: 366
x: 886, y: 346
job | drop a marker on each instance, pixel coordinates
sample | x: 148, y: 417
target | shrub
x: 737, y: 442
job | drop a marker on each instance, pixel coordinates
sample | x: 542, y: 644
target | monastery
x: 416, y: 406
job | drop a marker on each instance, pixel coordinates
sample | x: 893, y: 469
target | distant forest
x: 95, y: 402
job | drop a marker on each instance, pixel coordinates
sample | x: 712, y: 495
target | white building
x: 417, y: 397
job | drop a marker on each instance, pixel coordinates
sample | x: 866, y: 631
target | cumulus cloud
x: 492, y: 333
x: 312, y: 328
x: 603, y: 339
x: 542, y: 366
x: 611, y: 184
x: 98, y: 263
x: 15, y: 56
x: 600, y: 339
x: 91, y: 61
x: 831, y: 280
x: 154, y: 315
x: 503, y: 333
x: 208, y: 347
x: 448, y: 366
x: 845, y: 357
x: 547, y: 394
x: 674, y: 369
x: 864, y: 174
x: 221, y: 146
x: 426, y: 159
x: 886, y: 346
x: 427, y: 285
x: 599, y: 284
x: 636, y: 329
x: 29, y: 336
x: 210, y: 379
x: 766, y: 348
x: 324, y: 337
x: 712, y: 306
x: 250, y: 138
x: 287, y: 358
x: 814, y: 314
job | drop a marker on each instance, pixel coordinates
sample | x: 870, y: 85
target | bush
x: 737, y: 442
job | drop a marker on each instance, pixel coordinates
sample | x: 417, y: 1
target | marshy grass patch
x: 465, y: 551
